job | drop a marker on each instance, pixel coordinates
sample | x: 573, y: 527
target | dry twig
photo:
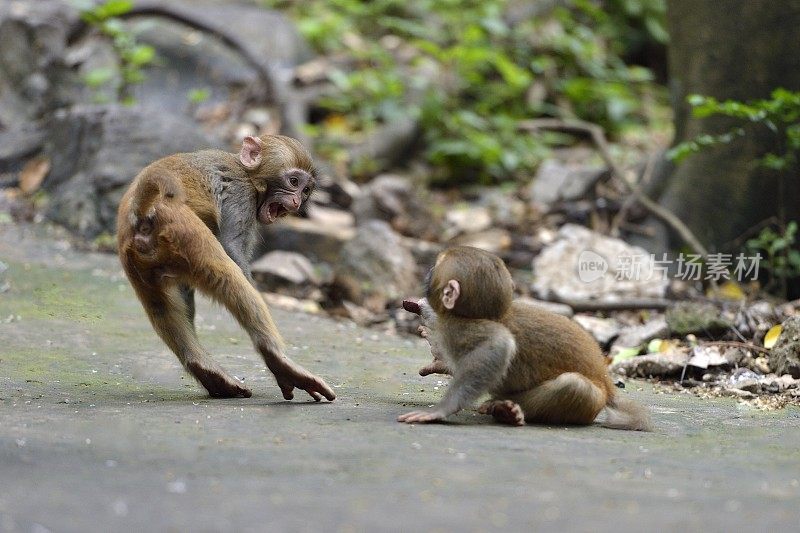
x: 596, y: 133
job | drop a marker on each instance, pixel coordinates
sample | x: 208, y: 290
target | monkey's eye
x: 306, y: 191
x: 293, y: 181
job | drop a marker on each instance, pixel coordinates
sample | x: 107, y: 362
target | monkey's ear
x: 250, y: 154
x: 450, y: 294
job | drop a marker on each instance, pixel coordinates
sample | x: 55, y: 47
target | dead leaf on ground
x: 772, y: 336
x: 33, y: 173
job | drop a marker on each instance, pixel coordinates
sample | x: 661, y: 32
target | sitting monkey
x: 536, y: 366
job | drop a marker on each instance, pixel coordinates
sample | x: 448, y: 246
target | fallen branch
x: 629, y: 202
x: 596, y: 133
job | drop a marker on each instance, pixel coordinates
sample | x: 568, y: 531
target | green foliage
x: 133, y: 56
x: 780, y: 113
x: 198, y: 96
x: 782, y: 261
x: 470, y: 75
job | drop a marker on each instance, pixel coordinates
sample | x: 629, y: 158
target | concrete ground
x: 100, y: 430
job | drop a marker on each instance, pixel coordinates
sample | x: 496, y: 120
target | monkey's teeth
x: 272, y: 211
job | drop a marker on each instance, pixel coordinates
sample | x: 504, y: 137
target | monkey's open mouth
x: 271, y: 211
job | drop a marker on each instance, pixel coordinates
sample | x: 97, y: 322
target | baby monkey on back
x: 536, y: 366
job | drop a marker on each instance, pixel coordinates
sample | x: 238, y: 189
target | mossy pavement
x: 100, y: 430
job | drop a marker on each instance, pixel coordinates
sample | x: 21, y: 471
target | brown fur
x: 555, y: 372
x: 171, y: 240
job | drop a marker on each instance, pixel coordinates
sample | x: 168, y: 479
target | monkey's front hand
x: 290, y: 375
x: 427, y: 332
x: 422, y: 417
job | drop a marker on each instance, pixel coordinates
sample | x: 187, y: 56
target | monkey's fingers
x: 316, y: 387
x: 287, y: 390
x: 314, y: 394
x: 320, y: 387
x: 421, y: 417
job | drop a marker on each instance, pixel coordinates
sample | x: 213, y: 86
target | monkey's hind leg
x: 571, y: 398
x: 168, y: 310
x: 503, y: 411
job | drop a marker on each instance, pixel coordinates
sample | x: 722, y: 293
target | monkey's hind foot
x: 503, y: 411
x: 217, y: 382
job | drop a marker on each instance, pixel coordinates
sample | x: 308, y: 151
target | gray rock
x: 374, y: 268
x: 494, y: 240
x: 386, y: 147
x: 557, y: 181
x: 785, y: 355
x: 604, y: 330
x: 18, y: 145
x: 286, y: 273
x: 95, y: 151
x: 584, y: 265
x: 755, y: 319
x: 424, y: 252
x: 709, y: 356
x: 327, y: 216
x: 225, y: 46
x: 394, y: 199
x: 635, y: 336
x: 505, y: 208
x: 746, y: 380
x: 696, y: 317
x: 35, y: 79
x: 466, y: 218
x: 749, y: 385
x: 653, y: 365
x: 319, y: 242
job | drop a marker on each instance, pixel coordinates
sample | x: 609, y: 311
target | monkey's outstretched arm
x: 477, y: 371
x: 428, y: 331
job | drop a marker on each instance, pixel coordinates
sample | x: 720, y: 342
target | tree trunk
x: 731, y: 49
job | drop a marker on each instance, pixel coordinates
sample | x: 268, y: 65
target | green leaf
x: 114, y: 8
x: 198, y: 96
x: 97, y: 77
x: 141, y: 55
x: 624, y: 354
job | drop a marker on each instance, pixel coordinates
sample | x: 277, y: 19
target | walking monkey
x: 536, y: 366
x: 189, y: 221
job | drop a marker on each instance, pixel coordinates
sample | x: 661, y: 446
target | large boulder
x: 396, y: 200
x: 35, y: 78
x: 557, y: 181
x: 375, y: 268
x: 784, y: 357
x: 581, y: 264
x: 227, y: 47
x: 96, y: 151
x: 320, y: 242
x: 287, y: 273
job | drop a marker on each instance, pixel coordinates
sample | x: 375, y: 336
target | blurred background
x: 533, y: 129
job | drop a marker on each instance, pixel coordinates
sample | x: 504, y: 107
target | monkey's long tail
x: 624, y: 413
